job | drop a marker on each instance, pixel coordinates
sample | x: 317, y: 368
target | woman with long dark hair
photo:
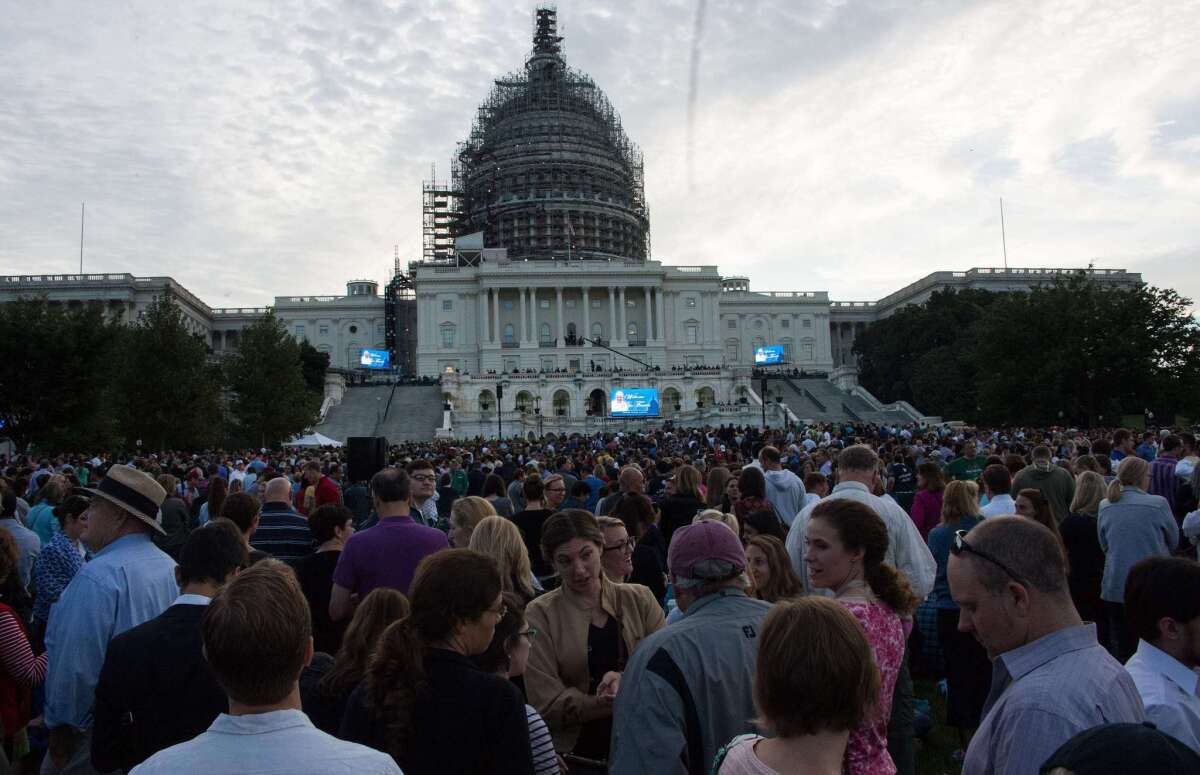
x: 847, y: 542
x: 422, y: 698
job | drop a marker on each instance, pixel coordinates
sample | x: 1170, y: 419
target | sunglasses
x: 960, y: 545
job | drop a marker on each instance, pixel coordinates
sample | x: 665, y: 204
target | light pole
x: 537, y: 410
x: 763, y: 387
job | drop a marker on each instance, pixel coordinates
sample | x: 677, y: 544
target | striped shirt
x: 17, y: 657
x: 282, y: 533
x: 545, y: 761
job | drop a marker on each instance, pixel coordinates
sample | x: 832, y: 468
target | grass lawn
x: 933, y: 750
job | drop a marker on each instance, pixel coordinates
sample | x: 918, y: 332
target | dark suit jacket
x: 155, y: 690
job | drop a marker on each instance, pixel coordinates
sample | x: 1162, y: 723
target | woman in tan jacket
x: 587, y: 628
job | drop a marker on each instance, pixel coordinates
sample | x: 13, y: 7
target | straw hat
x: 134, y: 492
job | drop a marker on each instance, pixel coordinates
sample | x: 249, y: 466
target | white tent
x: 313, y: 440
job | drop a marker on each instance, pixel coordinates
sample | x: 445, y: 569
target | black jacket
x: 467, y: 721
x: 155, y: 690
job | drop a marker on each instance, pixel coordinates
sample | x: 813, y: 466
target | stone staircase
x: 400, y: 413
x: 414, y: 415
x: 822, y: 401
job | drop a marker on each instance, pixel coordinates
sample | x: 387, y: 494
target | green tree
x: 56, y: 375
x: 167, y: 390
x: 314, y: 364
x: 270, y: 401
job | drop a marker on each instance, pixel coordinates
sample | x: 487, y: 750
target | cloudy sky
x: 250, y: 149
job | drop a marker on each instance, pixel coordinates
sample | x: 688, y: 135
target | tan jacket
x: 556, y: 679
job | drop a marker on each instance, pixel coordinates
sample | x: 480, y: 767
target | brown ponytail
x: 859, y: 527
x: 450, y: 587
x: 1131, y: 472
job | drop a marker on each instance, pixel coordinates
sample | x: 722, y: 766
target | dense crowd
x: 726, y: 600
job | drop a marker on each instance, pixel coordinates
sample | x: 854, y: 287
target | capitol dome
x: 547, y: 171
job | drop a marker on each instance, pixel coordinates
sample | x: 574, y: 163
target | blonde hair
x: 716, y: 515
x: 469, y: 511
x: 1131, y: 472
x: 960, y: 499
x: 687, y: 482
x: 500, y: 539
x: 613, y: 522
x: 1089, y: 491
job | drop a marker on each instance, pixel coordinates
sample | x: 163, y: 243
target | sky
x: 253, y: 149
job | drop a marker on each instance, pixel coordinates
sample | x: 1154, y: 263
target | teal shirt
x: 42, y: 521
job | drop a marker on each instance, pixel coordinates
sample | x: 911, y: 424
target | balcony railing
x: 548, y: 343
x: 637, y: 342
x: 510, y: 345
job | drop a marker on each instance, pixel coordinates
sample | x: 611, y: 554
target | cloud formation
x: 269, y: 148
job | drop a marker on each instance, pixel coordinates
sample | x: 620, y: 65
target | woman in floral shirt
x: 58, y: 561
x: 846, y: 543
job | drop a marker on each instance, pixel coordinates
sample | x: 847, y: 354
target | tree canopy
x: 1071, y: 352
x: 77, y: 378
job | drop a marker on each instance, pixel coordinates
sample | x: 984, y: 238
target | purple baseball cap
x: 705, y: 551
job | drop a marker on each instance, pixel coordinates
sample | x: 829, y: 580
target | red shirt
x: 327, y: 492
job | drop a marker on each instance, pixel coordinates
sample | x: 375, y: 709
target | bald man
x: 282, y: 533
x: 631, y: 479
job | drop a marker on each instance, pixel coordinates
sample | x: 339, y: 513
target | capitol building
x: 536, y: 292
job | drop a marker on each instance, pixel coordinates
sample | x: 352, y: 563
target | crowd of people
x: 727, y: 600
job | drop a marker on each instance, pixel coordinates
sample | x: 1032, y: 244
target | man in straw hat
x: 128, y: 581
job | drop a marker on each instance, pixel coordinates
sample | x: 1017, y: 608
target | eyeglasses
x: 627, y: 545
x: 961, y: 545
x: 529, y: 634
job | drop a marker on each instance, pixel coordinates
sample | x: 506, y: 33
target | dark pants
x: 1122, y: 641
x: 968, y: 672
x: 900, y: 725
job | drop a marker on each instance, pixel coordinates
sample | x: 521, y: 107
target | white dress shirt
x: 999, y: 505
x: 906, y: 551
x: 1170, y: 691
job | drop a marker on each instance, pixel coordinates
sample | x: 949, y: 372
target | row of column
x: 617, y: 321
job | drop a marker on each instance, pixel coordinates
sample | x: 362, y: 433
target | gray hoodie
x: 785, y: 490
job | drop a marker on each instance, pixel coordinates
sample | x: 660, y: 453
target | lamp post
x: 537, y: 410
x: 763, y: 387
x: 499, y: 412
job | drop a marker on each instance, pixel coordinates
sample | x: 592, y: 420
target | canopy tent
x: 313, y: 440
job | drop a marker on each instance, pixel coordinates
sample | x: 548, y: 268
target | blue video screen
x: 765, y: 356
x: 633, y: 402
x: 375, y: 359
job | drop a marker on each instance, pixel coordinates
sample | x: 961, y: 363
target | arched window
x: 633, y: 330
x: 545, y: 332
x: 508, y: 333
x: 597, y: 331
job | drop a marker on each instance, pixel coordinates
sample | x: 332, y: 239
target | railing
x: 637, y: 342
x: 509, y: 345
x: 548, y: 343
x: 241, y: 311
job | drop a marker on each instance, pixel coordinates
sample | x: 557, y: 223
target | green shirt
x: 965, y: 469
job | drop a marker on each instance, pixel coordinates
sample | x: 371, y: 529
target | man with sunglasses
x: 1050, y: 677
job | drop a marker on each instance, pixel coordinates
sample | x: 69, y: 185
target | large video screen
x: 375, y: 359
x: 765, y: 356
x: 633, y: 402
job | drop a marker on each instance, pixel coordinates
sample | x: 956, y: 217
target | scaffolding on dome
x: 547, y: 170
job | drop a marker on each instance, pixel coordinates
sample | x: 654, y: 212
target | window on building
x: 507, y: 303
x: 447, y: 305
x: 596, y: 303
x: 633, y: 330
x: 447, y: 337
x: 379, y: 330
x: 732, y: 324
x: 300, y: 331
x: 323, y: 330
x: 569, y: 303
x: 758, y: 324
x: 785, y: 323
x: 597, y: 331
x: 544, y: 303
x: 693, y: 333
x: 544, y: 333
x: 508, y: 333
x: 807, y: 323
x: 691, y: 301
